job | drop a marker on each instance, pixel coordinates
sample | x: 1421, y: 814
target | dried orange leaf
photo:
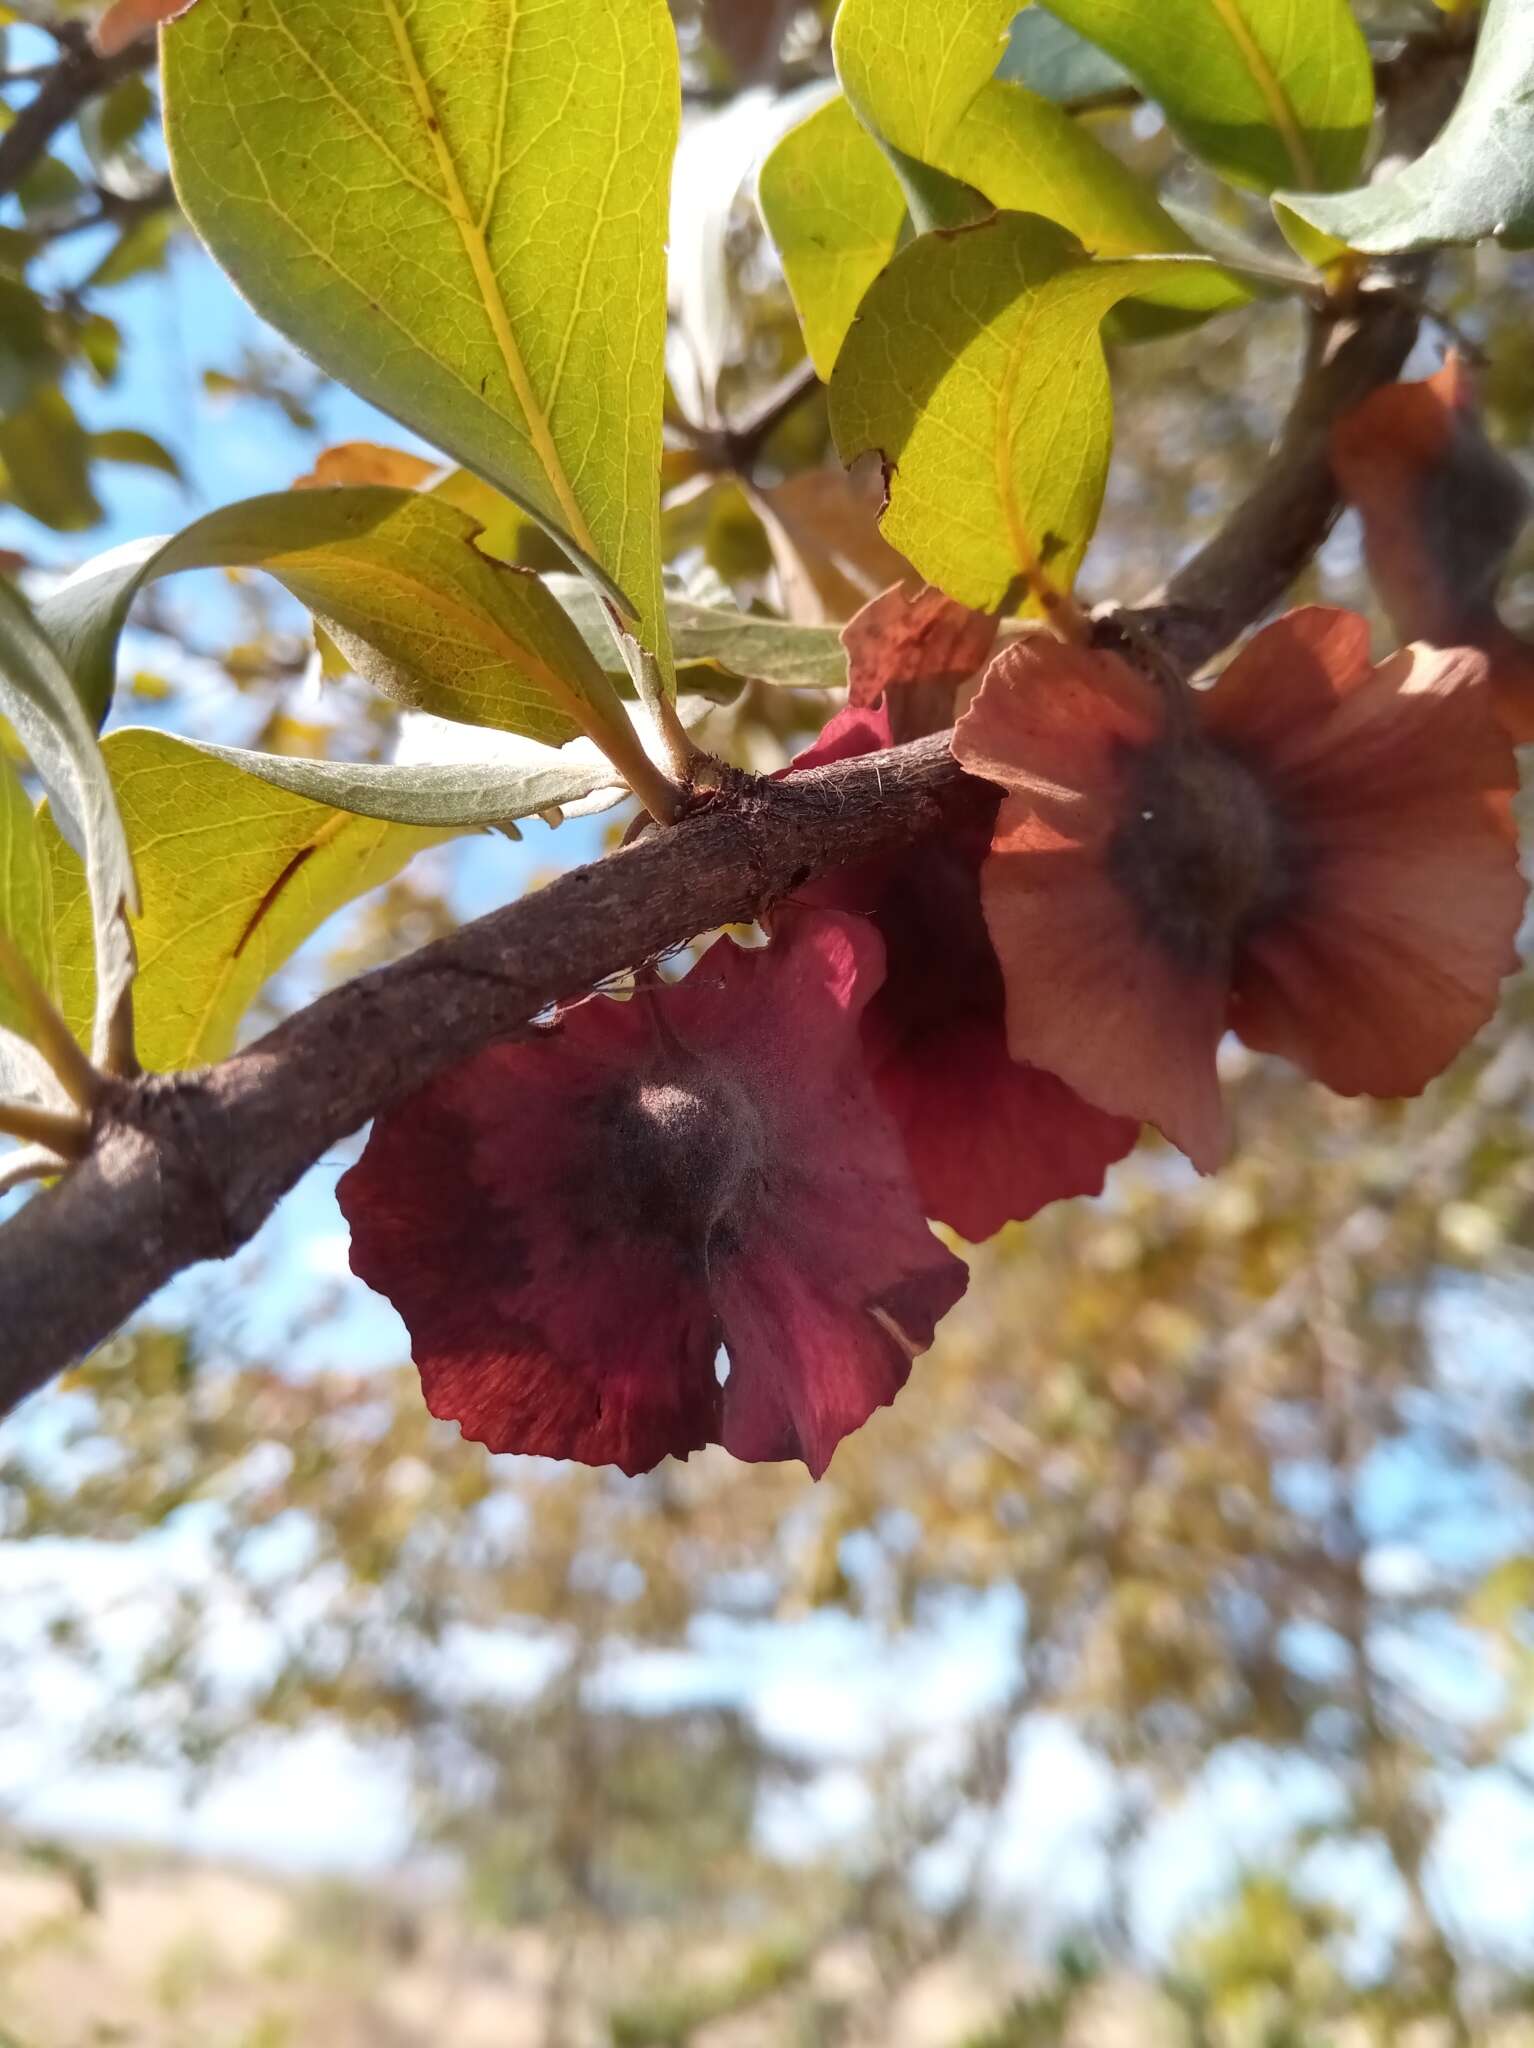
x: 125, y: 20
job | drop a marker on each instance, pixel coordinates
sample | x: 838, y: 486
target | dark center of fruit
x: 686, y: 1156
x: 1201, y: 852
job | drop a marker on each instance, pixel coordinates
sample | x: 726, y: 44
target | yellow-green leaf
x: 38, y: 697
x: 26, y: 897
x: 911, y: 67
x: 235, y: 873
x: 976, y: 370
x: 398, y: 583
x: 461, y: 212
x: 920, y: 76
x: 834, y: 209
x: 1270, y: 92
x: 1030, y: 156
x: 1475, y: 179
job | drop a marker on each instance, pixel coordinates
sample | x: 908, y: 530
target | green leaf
x: 911, y: 67
x: 461, y: 213
x: 397, y: 582
x: 38, y: 698
x: 26, y: 895
x: 1029, y: 156
x: 128, y: 445
x: 141, y: 246
x: 739, y: 646
x: 976, y: 369
x: 465, y: 796
x: 26, y: 923
x: 1270, y: 92
x: 109, y: 126
x: 236, y: 874
x: 1475, y: 180
x: 834, y: 210
x: 45, y: 463
x: 920, y: 76
x: 28, y: 356
x: 1049, y: 58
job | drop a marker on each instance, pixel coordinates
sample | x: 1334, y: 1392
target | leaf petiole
x: 59, y: 1131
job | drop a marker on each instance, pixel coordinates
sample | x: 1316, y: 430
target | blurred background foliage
x: 1160, y: 1669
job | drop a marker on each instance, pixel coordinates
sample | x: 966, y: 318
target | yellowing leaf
x: 235, y: 875
x: 39, y: 699
x: 1030, y: 156
x: 460, y: 211
x: 26, y: 896
x: 399, y: 585
x: 976, y: 370
x: 911, y: 67
x: 367, y: 462
x: 834, y: 209
x: 920, y: 74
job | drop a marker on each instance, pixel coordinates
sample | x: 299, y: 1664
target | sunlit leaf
x: 236, y: 873
x: 834, y: 209
x: 398, y: 584
x: 38, y: 698
x: 26, y: 894
x: 1029, y: 156
x: 911, y: 67
x: 1268, y: 94
x: 976, y: 370
x: 1475, y: 180
x: 920, y: 76
x: 387, y: 185
x: 714, y: 641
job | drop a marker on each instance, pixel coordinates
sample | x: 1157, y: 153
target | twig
x: 79, y: 75
x: 734, y: 450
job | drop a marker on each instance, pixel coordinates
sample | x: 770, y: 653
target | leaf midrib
x: 471, y: 232
x: 1268, y: 83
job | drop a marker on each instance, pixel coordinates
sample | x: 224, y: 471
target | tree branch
x: 1246, y: 567
x: 79, y: 75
